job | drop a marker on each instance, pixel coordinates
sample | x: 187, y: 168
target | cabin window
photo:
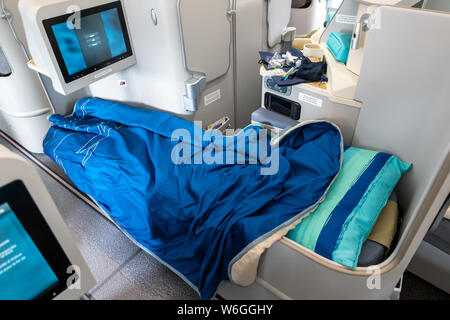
x: 301, y: 4
x: 5, y: 69
x: 418, y: 4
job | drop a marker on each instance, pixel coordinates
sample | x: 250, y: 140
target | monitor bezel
x: 48, y: 23
x: 16, y: 195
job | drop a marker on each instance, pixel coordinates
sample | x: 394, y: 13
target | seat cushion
x: 376, y: 247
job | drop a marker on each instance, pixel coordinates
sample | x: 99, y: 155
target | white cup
x: 313, y: 50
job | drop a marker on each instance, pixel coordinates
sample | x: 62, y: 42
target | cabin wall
x: 405, y: 109
x: 440, y: 5
x: 251, y: 37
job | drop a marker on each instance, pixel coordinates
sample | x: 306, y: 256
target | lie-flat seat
x: 378, y: 245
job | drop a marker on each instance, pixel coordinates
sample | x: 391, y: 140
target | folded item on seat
x: 383, y: 233
x: 385, y: 228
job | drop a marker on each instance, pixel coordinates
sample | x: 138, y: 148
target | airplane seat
x: 382, y: 239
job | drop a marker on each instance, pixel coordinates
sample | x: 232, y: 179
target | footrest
x: 273, y: 119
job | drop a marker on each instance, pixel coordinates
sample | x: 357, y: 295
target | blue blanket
x: 196, y: 218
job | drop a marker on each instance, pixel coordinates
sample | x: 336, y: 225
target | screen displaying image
x: 24, y: 272
x: 99, y: 38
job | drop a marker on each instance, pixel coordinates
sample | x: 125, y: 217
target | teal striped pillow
x: 343, y: 222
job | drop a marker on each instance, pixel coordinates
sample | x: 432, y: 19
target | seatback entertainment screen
x: 24, y: 272
x: 97, y: 39
x: 33, y: 265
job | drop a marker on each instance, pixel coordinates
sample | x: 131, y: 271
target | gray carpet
x: 440, y: 238
x: 414, y: 288
x: 49, y: 163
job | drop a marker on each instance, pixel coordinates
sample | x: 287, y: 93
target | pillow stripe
x: 343, y: 221
x: 331, y: 231
x: 310, y: 228
x: 349, y: 153
x: 366, y: 213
